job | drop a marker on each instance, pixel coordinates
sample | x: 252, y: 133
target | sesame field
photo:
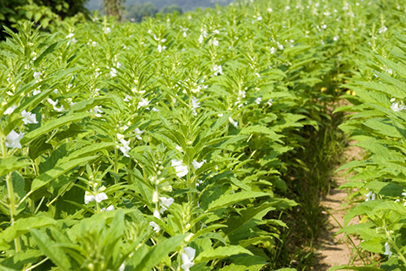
x: 206, y: 140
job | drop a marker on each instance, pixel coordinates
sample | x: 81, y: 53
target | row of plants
x: 171, y: 144
x: 378, y: 125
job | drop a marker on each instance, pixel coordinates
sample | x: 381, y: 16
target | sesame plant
x: 379, y: 127
x: 164, y: 145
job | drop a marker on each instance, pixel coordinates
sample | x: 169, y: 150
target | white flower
x: 336, y: 38
x: 10, y: 110
x: 125, y: 148
x: 259, y: 18
x: 143, y: 102
x: 198, y: 165
x: 155, y: 226
x: 387, y: 250
x: 154, y: 109
x: 187, y: 258
x: 94, y: 44
x: 127, y: 98
x: 73, y: 41
x: 269, y: 9
x: 161, y: 48
x: 273, y: 50
x: 110, y: 208
x: 36, y: 92
x: 258, y: 100
x: 122, y: 267
x: 395, y: 107
x: 97, y: 111
x: 70, y: 36
x: 217, y: 69
x: 180, y: 168
x: 89, y: 198
x: 234, y: 123
x: 13, y: 140
x: 280, y: 46
x: 165, y: 203
x: 157, y: 214
x: 138, y: 132
x: 155, y: 197
x: 54, y: 105
x: 100, y: 197
x: 37, y: 74
x: 113, y: 72
x: 383, y: 29
x: 28, y: 117
x: 370, y: 196
x: 179, y: 148
x: 215, y: 42
x: 195, y: 104
x: 200, y: 39
x: 107, y: 30
x: 220, y: 115
x: 269, y: 102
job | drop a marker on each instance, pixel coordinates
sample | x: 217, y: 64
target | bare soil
x: 337, y: 250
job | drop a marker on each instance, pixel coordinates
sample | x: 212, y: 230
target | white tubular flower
x: 155, y: 226
x: 215, y: 42
x: 179, y: 148
x: 94, y: 44
x: 259, y: 18
x: 100, y: 197
x: 155, y: 197
x: 258, y: 100
x: 70, y: 36
x: 165, y: 203
x: 217, y: 69
x: 138, y: 132
x: 200, y: 40
x: 269, y: 102
x: 396, y: 107
x: 198, y: 165
x: 110, y: 208
x: 54, y: 105
x: 122, y: 267
x: 370, y: 196
x: 97, y: 110
x: 280, y: 46
x: 233, y: 122
x: 89, y: 198
x: 107, y: 30
x: 127, y: 98
x: 28, y: 117
x: 157, y: 214
x: 125, y: 148
x: 36, y: 92
x: 387, y: 250
x: 195, y: 104
x: 187, y: 258
x: 143, y: 102
x: 13, y: 140
x: 161, y: 48
x: 113, y: 72
x: 37, y: 74
x: 273, y: 50
x: 180, y: 168
x: 10, y: 110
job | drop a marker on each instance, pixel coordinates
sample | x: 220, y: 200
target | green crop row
x: 166, y: 145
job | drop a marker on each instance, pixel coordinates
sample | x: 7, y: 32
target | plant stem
x: 12, y: 209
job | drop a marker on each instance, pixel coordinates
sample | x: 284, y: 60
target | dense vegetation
x: 183, y: 142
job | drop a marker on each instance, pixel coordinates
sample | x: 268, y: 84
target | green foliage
x: 43, y: 13
x: 168, y: 144
x: 171, y: 9
x: 137, y: 12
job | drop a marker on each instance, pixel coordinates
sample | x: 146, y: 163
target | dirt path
x: 337, y: 250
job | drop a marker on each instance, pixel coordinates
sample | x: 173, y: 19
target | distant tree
x: 42, y: 12
x: 114, y: 8
x: 137, y: 12
x: 170, y: 9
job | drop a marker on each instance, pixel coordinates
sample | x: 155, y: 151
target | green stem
x: 12, y: 209
x: 392, y: 243
x: 192, y: 185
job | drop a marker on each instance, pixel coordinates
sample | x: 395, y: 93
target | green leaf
x: 220, y: 253
x: 229, y: 199
x: 51, y: 249
x: 10, y: 164
x: 53, y: 124
x: 54, y: 173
